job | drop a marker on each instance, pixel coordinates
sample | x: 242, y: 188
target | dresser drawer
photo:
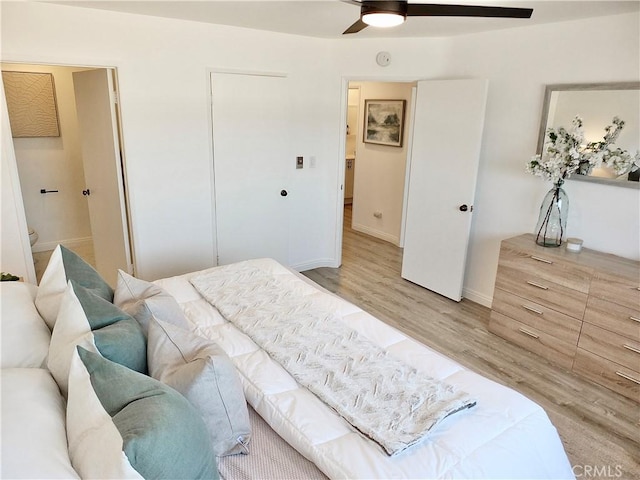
x: 611, y: 346
x: 541, y: 318
x: 607, y: 373
x: 534, y: 340
x: 539, y: 290
x: 546, y: 265
x: 617, y: 289
x: 614, y: 317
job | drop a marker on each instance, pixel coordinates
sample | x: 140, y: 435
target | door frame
x: 344, y: 93
x: 122, y: 183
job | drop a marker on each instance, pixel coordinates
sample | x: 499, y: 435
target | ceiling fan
x: 391, y: 13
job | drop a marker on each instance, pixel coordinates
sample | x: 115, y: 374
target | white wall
x: 13, y: 232
x: 54, y: 163
x: 162, y: 66
x: 380, y: 169
x: 162, y: 69
x: 519, y: 64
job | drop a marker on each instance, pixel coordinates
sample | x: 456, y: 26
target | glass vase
x: 552, y: 221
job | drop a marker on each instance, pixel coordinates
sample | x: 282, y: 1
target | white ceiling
x: 329, y: 18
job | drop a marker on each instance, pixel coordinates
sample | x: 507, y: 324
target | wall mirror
x: 597, y: 104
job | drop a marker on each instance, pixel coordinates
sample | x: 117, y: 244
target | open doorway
x: 64, y: 177
x: 433, y: 221
x: 374, y: 180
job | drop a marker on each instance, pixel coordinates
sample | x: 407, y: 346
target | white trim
x: 212, y: 167
x: 9, y: 162
x: 407, y: 168
x: 256, y: 73
x: 320, y: 263
x: 342, y: 151
x: 376, y: 233
x: 70, y: 243
x: 477, y: 297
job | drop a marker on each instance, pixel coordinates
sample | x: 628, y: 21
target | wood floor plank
x: 600, y: 429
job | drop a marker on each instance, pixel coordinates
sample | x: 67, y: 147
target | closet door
x: 448, y: 125
x: 252, y: 164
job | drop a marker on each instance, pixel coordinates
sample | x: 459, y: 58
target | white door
x: 252, y: 164
x: 447, y: 136
x: 97, y: 122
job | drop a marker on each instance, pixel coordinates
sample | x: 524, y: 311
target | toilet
x: 33, y: 236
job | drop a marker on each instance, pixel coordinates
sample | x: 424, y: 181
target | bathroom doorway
x: 58, y: 182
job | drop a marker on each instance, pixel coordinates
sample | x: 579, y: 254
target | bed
x: 499, y: 434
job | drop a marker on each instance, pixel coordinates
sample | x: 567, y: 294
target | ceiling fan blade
x: 356, y: 27
x: 442, y: 10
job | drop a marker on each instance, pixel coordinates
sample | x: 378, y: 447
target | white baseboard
x: 376, y: 233
x: 70, y: 243
x: 477, y: 297
x: 323, y: 262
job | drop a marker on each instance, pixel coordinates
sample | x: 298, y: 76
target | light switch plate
x: 299, y: 162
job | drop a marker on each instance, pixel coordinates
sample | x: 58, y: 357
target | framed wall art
x: 384, y: 122
x: 31, y: 102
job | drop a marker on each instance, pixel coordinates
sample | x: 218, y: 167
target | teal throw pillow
x: 163, y: 436
x: 65, y: 265
x: 116, y: 334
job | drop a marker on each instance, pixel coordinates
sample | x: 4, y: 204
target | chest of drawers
x: 578, y: 310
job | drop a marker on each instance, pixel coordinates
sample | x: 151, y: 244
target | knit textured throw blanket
x: 385, y: 399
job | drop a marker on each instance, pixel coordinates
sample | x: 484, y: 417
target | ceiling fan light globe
x: 384, y: 20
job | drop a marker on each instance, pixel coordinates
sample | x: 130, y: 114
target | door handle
x: 86, y: 192
x: 464, y: 208
x: 284, y: 193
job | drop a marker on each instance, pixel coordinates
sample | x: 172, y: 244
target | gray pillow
x: 161, y: 435
x: 204, y: 374
x: 142, y: 299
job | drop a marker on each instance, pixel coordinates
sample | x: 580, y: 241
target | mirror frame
x: 550, y: 89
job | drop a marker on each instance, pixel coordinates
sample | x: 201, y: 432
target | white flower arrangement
x: 564, y: 153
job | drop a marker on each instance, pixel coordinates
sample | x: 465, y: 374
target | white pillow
x: 34, y: 437
x: 25, y: 337
x: 204, y: 374
x: 90, y: 321
x: 122, y: 424
x: 142, y: 299
x: 65, y: 265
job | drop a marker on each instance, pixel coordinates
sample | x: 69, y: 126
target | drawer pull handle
x: 543, y: 260
x: 531, y: 309
x: 633, y: 349
x: 628, y: 377
x: 527, y: 332
x: 635, y: 319
x: 537, y: 285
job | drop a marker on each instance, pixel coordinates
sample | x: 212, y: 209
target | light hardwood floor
x: 599, y: 428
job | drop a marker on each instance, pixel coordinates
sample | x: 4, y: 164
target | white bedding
x: 504, y: 436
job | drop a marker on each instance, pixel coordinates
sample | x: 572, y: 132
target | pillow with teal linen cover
x: 90, y: 321
x: 122, y: 424
x: 142, y: 300
x: 65, y: 265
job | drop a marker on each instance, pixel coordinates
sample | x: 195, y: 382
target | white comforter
x: 504, y: 436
